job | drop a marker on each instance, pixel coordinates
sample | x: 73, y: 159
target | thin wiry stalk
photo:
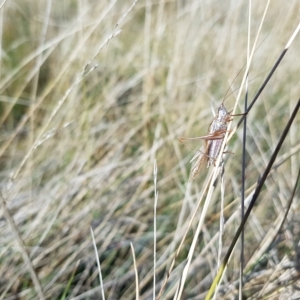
x: 286, y: 48
x: 279, y: 228
x: 252, y: 203
x: 227, y: 136
x: 154, y: 227
x: 290, y: 201
x: 222, y: 222
x: 98, y: 264
x: 241, y: 283
x: 136, y: 274
x: 28, y: 263
x: 243, y: 194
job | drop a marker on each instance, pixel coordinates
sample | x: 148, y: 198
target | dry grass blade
x: 136, y: 274
x: 222, y: 223
x: 98, y: 264
x: 154, y: 227
x: 2, y: 4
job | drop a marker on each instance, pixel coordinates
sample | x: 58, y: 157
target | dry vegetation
x: 86, y: 107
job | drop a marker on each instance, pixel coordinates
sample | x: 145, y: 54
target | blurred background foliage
x: 94, y: 91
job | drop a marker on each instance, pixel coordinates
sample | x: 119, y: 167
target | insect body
x: 217, y: 130
x: 213, y: 141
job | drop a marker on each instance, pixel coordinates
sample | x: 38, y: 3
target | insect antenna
x: 226, y: 96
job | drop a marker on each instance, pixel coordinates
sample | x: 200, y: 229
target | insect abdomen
x: 213, y: 151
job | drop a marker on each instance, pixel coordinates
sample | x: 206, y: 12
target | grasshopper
x: 213, y: 141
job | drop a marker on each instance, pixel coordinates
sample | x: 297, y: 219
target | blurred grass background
x: 92, y: 152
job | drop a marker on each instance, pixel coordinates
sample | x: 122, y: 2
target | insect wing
x: 199, y: 159
x: 199, y: 152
